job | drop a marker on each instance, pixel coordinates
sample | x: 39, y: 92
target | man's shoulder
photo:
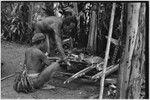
x: 34, y: 51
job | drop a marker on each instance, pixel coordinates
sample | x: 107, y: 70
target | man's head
x: 38, y: 40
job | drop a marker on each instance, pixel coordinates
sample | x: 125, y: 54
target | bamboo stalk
x: 107, y: 50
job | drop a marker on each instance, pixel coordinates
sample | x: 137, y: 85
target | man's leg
x: 48, y: 43
x: 46, y: 74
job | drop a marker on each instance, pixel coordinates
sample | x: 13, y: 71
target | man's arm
x: 59, y: 45
x: 56, y: 29
x: 44, y: 58
x: 51, y: 58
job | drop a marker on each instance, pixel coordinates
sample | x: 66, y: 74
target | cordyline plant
x: 16, y: 26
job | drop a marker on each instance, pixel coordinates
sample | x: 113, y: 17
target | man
x: 38, y: 69
x: 53, y: 27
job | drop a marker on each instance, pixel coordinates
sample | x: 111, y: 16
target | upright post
x: 107, y: 50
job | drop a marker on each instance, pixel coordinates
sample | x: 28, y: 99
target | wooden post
x: 107, y: 50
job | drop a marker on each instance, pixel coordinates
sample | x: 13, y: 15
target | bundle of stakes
x: 92, y: 62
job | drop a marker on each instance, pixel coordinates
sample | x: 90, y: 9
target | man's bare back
x: 38, y: 68
x: 53, y: 27
x: 37, y: 62
x: 34, y: 60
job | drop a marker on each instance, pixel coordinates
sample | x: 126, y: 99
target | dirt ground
x: 12, y: 55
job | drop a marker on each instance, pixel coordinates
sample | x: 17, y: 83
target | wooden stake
x: 107, y: 50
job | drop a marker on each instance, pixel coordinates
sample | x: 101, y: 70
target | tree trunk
x: 99, y: 29
x: 93, y: 31
x: 133, y: 58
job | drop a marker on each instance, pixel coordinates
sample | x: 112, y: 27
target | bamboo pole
x: 107, y: 50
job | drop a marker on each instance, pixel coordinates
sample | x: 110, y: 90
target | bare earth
x: 12, y: 55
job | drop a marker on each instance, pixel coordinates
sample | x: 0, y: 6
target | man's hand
x: 54, y: 59
x: 46, y: 54
x: 66, y: 61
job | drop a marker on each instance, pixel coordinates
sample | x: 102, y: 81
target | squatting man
x: 38, y: 69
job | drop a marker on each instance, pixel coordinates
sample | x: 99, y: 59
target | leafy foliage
x: 15, y: 25
x: 18, y: 21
